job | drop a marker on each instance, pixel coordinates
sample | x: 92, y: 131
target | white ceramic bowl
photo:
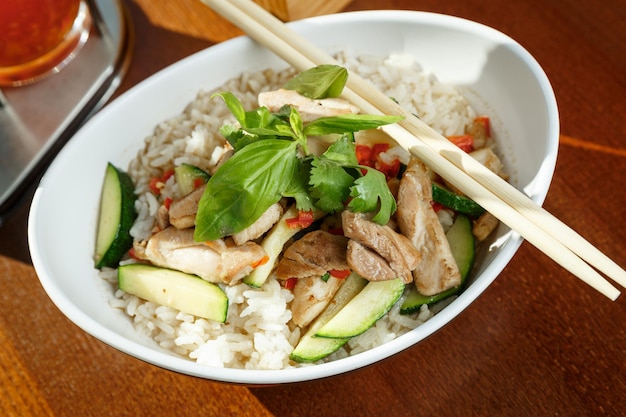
x: 499, y: 76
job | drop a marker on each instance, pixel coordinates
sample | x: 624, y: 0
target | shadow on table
x: 14, y: 231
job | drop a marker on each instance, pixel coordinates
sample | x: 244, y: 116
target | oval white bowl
x: 498, y: 75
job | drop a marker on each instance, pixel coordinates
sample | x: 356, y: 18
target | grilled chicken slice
x: 311, y: 296
x: 182, y: 215
x: 308, y: 259
x: 183, y: 211
x: 261, y: 225
x: 418, y: 221
x: 479, y: 132
x: 368, y: 263
x: 162, y: 217
x: 489, y: 159
x: 313, y: 255
x: 400, y: 254
x: 218, y: 261
x: 484, y: 226
x: 309, y: 109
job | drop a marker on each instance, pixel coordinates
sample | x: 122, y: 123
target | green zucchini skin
x: 185, y: 292
x: 369, y: 305
x: 311, y: 348
x: 116, y: 217
x: 456, y: 202
x: 463, y: 247
x: 273, y: 244
x: 188, y: 177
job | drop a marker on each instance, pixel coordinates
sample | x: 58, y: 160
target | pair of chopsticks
x: 512, y: 207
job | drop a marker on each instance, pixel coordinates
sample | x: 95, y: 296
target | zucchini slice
x: 463, y: 247
x: 311, y: 348
x: 185, y: 292
x: 370, y: 304
x: 456, y: 202
x: 116, y: 216
x: 189, y: 177
x: 273, y: 244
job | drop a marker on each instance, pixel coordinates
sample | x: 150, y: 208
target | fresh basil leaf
x: 295, y: 121
x: 319, y: 82
x: 271, y: 132
x: 299, y: 187
x: 259, y: 117
x: 244, y: 187
x: 234, y: 105
x: 347, y: 123
x: 371, y: 193
x: 297, y: 126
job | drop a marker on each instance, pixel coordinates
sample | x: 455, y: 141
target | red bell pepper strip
x: 465, y: 142
x: 390, y: 170
x: 436, y: 206
x: 198, y: 182
x: 157, y: 183
x: 486, y: 124
x: 290, y: 283
x: 339, y: 273
x: 379, y: 148
x: 304, y: 220
x: 364, y: 155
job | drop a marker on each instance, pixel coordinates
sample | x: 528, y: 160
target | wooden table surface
x: 538, y: 342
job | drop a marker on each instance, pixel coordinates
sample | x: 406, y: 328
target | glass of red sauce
x: 39, y: 37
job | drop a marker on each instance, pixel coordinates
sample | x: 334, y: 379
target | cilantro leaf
x: 330, y: 184
x: 343, y: 151
x: 371, y: 193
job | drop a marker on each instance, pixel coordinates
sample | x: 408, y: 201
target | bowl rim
x: 271, y: 377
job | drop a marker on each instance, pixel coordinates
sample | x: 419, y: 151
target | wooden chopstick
x: 497, y: 196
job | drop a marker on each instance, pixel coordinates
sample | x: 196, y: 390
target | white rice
x: 258, y: 333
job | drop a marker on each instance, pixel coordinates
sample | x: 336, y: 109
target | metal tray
x: 37, y: 120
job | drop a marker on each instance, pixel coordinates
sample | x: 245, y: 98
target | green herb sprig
x: 272, y: 161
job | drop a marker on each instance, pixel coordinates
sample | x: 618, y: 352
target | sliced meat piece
x: 478, y: 131
x: 368, y: 263
x: 309, y: 109
x: 484, y: 225
x: 183, y: 211
x: 260, y: 226
x: 489, y: 159
x: 313, y: 255
x: 216, y: 261
x: 418, y: 221
x: 401, y: 255
x: 220, y: 156
x: 163, y: 217
x: 311, y: 296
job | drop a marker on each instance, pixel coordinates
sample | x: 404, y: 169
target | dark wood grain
x: 538, y: 342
